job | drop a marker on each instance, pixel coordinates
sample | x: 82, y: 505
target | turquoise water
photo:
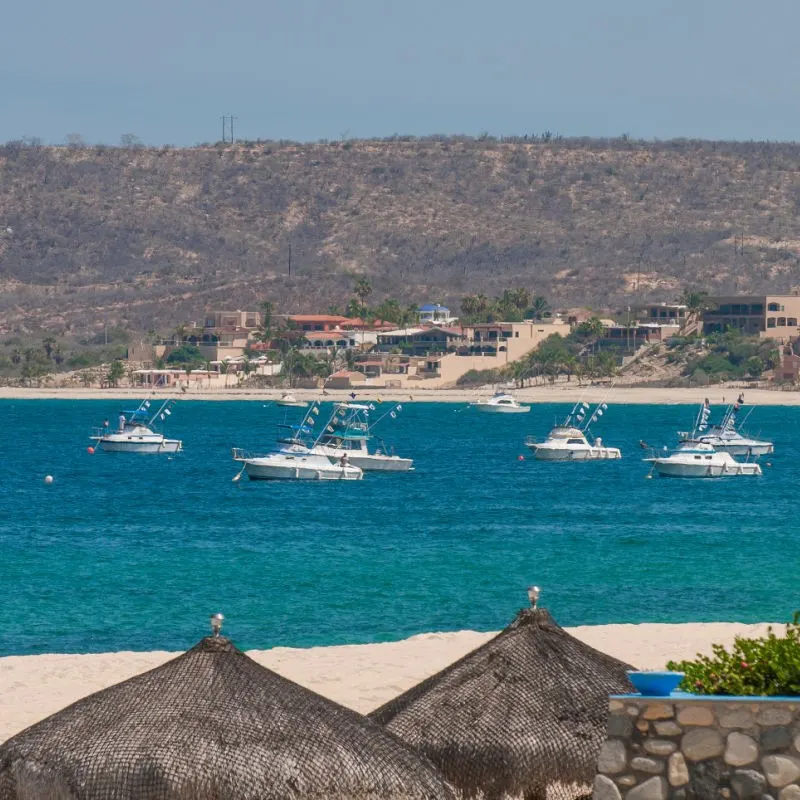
x: 135, y: 552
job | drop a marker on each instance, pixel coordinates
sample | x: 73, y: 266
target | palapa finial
x: 216, y: 623
x: 533, y: 595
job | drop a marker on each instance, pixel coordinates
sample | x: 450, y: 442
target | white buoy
x: 48, y: 479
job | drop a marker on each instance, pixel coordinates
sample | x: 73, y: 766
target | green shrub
x: 478, y: 377
x: 767, y: 665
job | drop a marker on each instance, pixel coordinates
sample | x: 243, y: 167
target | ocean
x: 135, y: 552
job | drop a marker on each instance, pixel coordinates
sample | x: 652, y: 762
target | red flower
x: 745, y: 665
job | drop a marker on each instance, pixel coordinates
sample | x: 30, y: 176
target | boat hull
x: 135, y: 445
x: 673, y: 469
x: 299, y: 469
x: 292, y: 404
x: 741, y: 449
x: 492, y: 409
x: 543, y: 453
x: 382, y: 463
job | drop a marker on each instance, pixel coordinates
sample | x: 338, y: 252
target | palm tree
x: 696, y: 303
x: 265, y: 329
x: 362, y: 289
x: 539, y: 307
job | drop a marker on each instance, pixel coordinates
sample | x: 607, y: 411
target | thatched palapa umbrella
x: 211, y: 724
x: 523, y: 715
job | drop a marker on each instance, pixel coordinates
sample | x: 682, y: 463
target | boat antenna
x: 162, y: 409
x: 601, y: 407
x: 701, y: 421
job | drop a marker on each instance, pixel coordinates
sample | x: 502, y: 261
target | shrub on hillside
x: 766, y: 665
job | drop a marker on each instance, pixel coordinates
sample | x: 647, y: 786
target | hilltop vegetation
x: 143, y: 238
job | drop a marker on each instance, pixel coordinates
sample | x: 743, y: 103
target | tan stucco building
x: 773, y: 316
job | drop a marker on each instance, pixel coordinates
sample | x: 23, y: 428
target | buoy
x: 649, y: 476
x: 520, y: 458
x: 90, y: 450
x: 48, y: 479
x: 769, y: 463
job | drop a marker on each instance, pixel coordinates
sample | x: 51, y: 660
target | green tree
x: 540, y: 308
x: 186, y: 354
x: 696, y: 302
x: 474, y: 308
x: 116, y: 372
x: 389, y: 311
x: 362, y: 290
x: 754, y: 366
x: 265, y: 330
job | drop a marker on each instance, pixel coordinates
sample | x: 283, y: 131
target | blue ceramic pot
x: 655, y: 684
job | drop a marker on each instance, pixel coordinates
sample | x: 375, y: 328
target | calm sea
x: 135, y: 552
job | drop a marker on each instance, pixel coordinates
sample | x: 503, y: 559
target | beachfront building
x: 419, y: 341
x: 224, y: 334
x: 665, y: 313
x: 772, y: 316
x: 435, y: 314
x: 321, y: 340
x: 319, y: 322
x: 489, y: 345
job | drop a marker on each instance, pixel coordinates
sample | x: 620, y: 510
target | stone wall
x: 686, y: 747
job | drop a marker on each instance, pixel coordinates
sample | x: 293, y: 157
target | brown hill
x: 147, y: 238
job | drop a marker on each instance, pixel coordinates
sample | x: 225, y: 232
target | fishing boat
x: 500, y: 403
x: 297, y: 465
x: 135, y: 432
x: 727, y: 436
x: 348, y: 431
x: 694, y: 459
x: 568, y: 441
x: 288, y: 400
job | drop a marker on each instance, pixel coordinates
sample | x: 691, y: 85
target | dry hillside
x: 146, y: 238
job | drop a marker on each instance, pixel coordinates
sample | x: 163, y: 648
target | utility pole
x: 223, y: 118
x: 232, y: 118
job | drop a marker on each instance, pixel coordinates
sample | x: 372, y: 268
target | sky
x: 167, y: 70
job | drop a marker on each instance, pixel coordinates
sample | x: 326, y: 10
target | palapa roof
x: 211, y: 723
x: 523, y: 715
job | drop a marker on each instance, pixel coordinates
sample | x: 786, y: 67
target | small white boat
x: 694, y: 459
x: 569, y: 441
x: 286, y: 465
x: 725, y: 437
x: 500, y: 403
x: 348, y: 432
x: 135, y: 433
x: 290, y: 401
x: 571, y: 444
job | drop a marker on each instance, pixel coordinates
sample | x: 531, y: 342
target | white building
x: 436, y: 314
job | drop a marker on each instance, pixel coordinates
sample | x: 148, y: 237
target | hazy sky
x: 309, y: 69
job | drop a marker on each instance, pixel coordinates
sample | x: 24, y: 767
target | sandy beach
x: 558, y: 393
x: 359, y: 676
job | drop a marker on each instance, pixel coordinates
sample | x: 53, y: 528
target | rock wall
x: 684, y: 747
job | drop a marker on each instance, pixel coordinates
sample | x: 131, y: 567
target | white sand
x: 359, y: 676
x: 558, y: 393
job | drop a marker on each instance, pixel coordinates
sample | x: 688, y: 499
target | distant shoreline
x: 560, y: 393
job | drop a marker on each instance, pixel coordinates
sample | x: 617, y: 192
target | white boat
x: 290, y: 401
x: 348, y: 431
x: 135, y: 433
x: 694, y: 459
x: 571, y: 444
x: 287, y: 465
x: 725, y: 437
x: 500, y: 403
x: 569, y: 441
